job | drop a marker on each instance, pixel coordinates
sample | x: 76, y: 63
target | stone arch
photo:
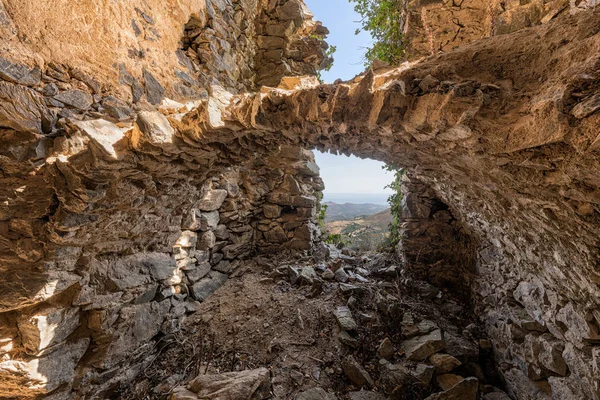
x: 504, y: 138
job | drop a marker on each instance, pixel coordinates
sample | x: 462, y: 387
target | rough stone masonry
x: 142, y: 160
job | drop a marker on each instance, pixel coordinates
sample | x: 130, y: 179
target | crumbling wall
x: 434, y: 244
x: 513, y: 160
x: 440, y: 26
x: 105, y: 249
x: 121, y: 208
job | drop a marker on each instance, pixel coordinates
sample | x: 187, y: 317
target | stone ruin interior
x: 158, y: 197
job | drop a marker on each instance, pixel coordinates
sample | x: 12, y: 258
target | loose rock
x: 356, y: 373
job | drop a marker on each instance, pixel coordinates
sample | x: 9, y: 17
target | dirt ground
x: 262, y: 319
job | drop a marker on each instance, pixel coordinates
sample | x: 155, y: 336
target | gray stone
x: 365, y: 395
x: 345, y: 338
x: 328, y: 275
x: 212, y: 200
x: 522, y: 318
x: 443, y: 363
x: 395, y: 380
x: 426, y: 326
x: 135, y: 270
x: 199, y: 272
x: 345, y: 319
x: 205, y: 287
x: 293, y: 274
x: 19, y: 73
x: 117, y: 109
x: 341, y: 275
x: 518, y: 382
x: 75, y: 98
x: 148, y: 295
x: 238, y: 250
x: 349, y: 288
x: 224, y: 267
x: 221, y: 231
x: 307, y: 275
x: 464, y: 390
x: 47, y: 327
x: 461, y: 348
x: 308, y: 168
x: 304, y: 201
x: 315, y: 394
x: 356, y: 373
x: 385, y: 349
x: 496, y: 396
x: 154, y: 90
x: 424, y: 373
x: 23, y: 110
x: 207, y: 241
x: 550, y: 356
x: 125, y: 78
x: 421, y: 347
x: 208, y: 221
x: 250, y: 384
x: 53, y: 370
x: 577, y: 325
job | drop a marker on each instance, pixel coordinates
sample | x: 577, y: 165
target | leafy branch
x: 383, y: 20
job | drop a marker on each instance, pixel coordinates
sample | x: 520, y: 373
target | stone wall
x: 513, y: 160
x: 105, y: 249
x: 433, y: 242
x: 440, y: 26
x: 121, y: 208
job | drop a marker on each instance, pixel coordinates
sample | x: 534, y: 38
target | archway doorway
x: 355, y: 211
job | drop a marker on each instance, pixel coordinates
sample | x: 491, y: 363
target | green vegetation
x: 337, y: 239
x: 329, y: 55
x: 395, y: 201
x: 321, y: 214
x: 329, y: 52
x: 383, y: 20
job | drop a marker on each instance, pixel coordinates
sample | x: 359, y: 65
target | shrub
x: 383, y: 20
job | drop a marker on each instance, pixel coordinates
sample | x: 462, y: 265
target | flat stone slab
x: 202, y: 289
x: 421, y: 347
x: 345, y: 318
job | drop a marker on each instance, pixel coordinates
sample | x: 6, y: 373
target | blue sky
x: 343, y: 174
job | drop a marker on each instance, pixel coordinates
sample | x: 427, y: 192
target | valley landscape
x: 361, y: 226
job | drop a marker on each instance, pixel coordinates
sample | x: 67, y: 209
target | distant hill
x: 365, y: 232
x: 346, y: 211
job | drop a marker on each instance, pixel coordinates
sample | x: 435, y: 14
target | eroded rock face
x: 121, y: 209
x: 132, y: 243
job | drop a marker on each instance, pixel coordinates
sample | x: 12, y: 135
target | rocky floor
x: 350, y: 327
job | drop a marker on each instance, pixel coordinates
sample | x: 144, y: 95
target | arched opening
x: 354, y: 211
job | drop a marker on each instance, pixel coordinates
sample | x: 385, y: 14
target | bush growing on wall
x: 395, y: 201
x: 383, y: 20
